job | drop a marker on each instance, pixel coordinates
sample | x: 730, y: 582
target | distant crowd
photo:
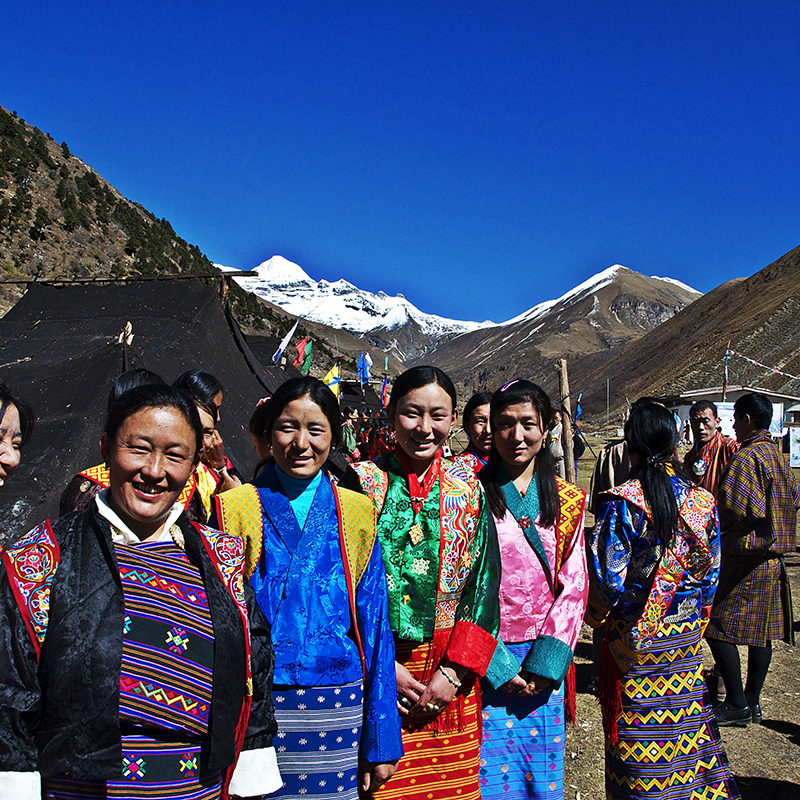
x: 399, y: 622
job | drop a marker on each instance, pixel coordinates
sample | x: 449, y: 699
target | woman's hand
x: 536, y: 683
x: 440, y: 691
x: 517, y: 685
x: 409, y: 689
x: 372, y: 776
x: 214, y: 452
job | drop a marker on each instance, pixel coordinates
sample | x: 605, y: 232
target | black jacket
x: 62, y: 713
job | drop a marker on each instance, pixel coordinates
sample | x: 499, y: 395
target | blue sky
x: 477, y: 157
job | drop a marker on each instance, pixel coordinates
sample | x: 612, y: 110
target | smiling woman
x: 16, y: 424
x: 143, y: 598
x: 543, y: 591
x: 443, y: 571
x: 318, y: 575
x: 150, y: 454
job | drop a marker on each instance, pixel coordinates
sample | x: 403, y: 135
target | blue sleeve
x: 609, y: 555
x: 708, y: 587
x: 380, y: 737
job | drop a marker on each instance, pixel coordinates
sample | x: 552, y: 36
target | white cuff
x: 20, y: 786
x: 256, y: 773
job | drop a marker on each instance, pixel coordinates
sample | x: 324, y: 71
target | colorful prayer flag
x: 303, y: 360
x: 363, y: 367
x: 332, y: 380
x: 385, y: 391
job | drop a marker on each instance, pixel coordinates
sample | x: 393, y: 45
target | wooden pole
x: 566, y: 422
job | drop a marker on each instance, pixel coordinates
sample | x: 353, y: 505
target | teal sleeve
x: 502, y: 668
x: 548, y: 657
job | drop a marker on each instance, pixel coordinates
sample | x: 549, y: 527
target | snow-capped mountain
x: 589, y: 286
x: 342, y: 305
x: 614, y: 306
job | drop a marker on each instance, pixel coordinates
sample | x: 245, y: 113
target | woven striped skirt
x: 522, y: 753
x: 439, y: 764
x: 669, y: 746
x: 152, y: 768
x: 319, y: 729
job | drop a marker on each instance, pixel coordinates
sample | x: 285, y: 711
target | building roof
x: 715, y: 393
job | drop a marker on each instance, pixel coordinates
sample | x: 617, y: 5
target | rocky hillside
x: 612, y: 308
x: 759, y: 315
x: 60, y: 219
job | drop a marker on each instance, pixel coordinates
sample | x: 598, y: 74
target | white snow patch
x: 340, y: 304
x: 676, y: 283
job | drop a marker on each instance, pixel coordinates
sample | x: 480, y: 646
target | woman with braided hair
x: 654, y: 566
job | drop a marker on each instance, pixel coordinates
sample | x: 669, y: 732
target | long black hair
x: 153, y: 395
x: 514, y: 393
x: 651, y: 434
x: 294, y: 389
x: 202, y: 388
x: 27, y: 418
x: 416, y: 378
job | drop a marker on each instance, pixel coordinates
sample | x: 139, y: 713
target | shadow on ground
x: 759, y: 788
x: 791, y: 730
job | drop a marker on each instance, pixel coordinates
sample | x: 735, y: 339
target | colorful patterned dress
x: 165, y: 681
x: 468, y: 464
x: 143, y: 661
x: 318, y: 576
x: 662, y: 742
x: 443, y: 571
x: 543, y: 596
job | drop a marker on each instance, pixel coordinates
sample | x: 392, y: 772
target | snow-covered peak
x: 279, y: 271
x: 676, y: 282
x: 340, y: 304
x: 589, y: 286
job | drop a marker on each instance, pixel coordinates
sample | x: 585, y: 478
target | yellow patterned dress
x: 662, y: 741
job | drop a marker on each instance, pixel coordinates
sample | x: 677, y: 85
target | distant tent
x: 352, y: 393
x: 59, y: 351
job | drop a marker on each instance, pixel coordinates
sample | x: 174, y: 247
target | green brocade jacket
x: 442, y: 566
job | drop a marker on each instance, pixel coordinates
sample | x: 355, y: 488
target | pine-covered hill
x: 61, y: 220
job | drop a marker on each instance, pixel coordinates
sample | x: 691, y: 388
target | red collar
x: 419, y: 491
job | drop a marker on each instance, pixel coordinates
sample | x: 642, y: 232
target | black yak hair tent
x: 60, y: 350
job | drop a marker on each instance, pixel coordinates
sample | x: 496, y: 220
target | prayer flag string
x: 759, y: 364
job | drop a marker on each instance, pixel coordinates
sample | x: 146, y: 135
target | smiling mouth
x: 149, y: 490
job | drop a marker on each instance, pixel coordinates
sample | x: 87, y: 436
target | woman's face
x: 149, y: 461
x: 261, y: 444
x: 207, y: 421
x: 301, y: 438
x: 10, y: 442
x: 479, y: 429
x: 518, y: 434
x: 422, y: 420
